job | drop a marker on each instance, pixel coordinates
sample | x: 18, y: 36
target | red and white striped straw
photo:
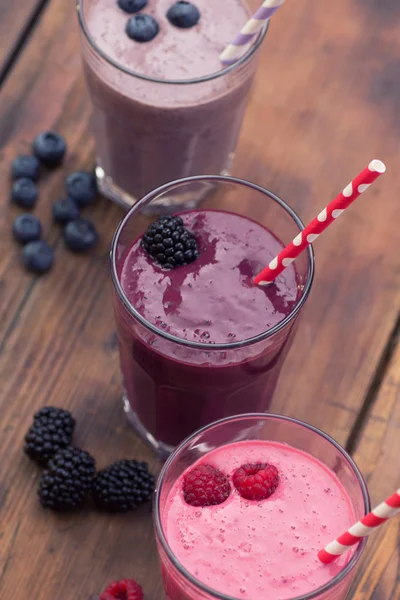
x: 325, y: 218
x: 234, y: 50
x: 363, y: 528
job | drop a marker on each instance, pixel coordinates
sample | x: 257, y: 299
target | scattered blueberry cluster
x: 81, y: 190
x: 70, y: 473
x: 144, y: 27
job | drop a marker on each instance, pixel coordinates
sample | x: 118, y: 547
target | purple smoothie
x: 173, y: 388
x: 151, y: 131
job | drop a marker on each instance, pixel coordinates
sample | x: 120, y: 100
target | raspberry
x: 205, y: 485
x: 256, y: 481
x: 125, y: 589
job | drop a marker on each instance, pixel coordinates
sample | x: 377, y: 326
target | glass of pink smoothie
x: 242, y: 543
x: 164, y: 109
x: 201, y: 342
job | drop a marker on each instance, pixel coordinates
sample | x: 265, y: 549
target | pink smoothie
x: 267, y: 549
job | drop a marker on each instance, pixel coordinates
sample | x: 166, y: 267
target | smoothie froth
x: 214, y: 299
x: 266, y: 549
x: 175, y: 53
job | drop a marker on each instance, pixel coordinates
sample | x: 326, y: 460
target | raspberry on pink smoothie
x: 261, y: 540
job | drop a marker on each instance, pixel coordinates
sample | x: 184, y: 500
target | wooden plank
x: 58, y: 343
x: 377, y: 455
x: 323, y: 106
x: 16, y: 18
x: 50, y: 68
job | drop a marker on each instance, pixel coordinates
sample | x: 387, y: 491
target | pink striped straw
x: 235, y: 49
x: 363, y: 528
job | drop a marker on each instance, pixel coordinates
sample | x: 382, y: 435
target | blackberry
x: 123, y: 486
x: 51, y: 431
x: 170, y: 243
x: 64, y: 484
x: 59, y: 417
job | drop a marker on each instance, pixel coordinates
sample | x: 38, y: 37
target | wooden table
x: 326, y: 101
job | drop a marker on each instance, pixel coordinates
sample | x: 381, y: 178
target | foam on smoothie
x: 174, y: 53
x: 267, y: 549
x: 213, y: 299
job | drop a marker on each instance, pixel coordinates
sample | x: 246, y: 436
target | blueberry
x: 142, y: 28
x: 65, y: 210
x: 25, y: 165
x: 38, y: 256
x: 183, y: 15
x: 24, y: 192
x: 82, y: 187
x: 27, y: 228
x: 80, y: 235
x: 132, y: 6
x: 50, y: 148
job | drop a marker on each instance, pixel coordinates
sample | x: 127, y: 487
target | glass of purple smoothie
x: 201, y: 342
x: 164, y: 109
x: 237, y: 541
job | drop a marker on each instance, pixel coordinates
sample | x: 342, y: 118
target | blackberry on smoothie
x: 163, y: 105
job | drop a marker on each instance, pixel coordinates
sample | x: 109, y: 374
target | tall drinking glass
x: 150, y: 130
x: 182, y: 585
x: 173, y: 386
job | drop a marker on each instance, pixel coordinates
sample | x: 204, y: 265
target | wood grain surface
x: 326, y: 101
x: 17, y: 19
x: 377, y: 455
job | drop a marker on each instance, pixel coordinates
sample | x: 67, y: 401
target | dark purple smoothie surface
x: 213, y: 299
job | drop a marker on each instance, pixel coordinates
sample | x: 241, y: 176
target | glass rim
x: 257, y: 416
x: 211, y: 76
x: 203, y: 345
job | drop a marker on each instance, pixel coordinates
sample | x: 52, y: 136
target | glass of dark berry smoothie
x: 198, y: 340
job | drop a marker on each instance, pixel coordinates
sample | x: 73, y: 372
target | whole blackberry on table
x: 123, y: 486
x: 51, y: 431
x: 61, y: 418
x: 69, y: 475
x: 170, y: 243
